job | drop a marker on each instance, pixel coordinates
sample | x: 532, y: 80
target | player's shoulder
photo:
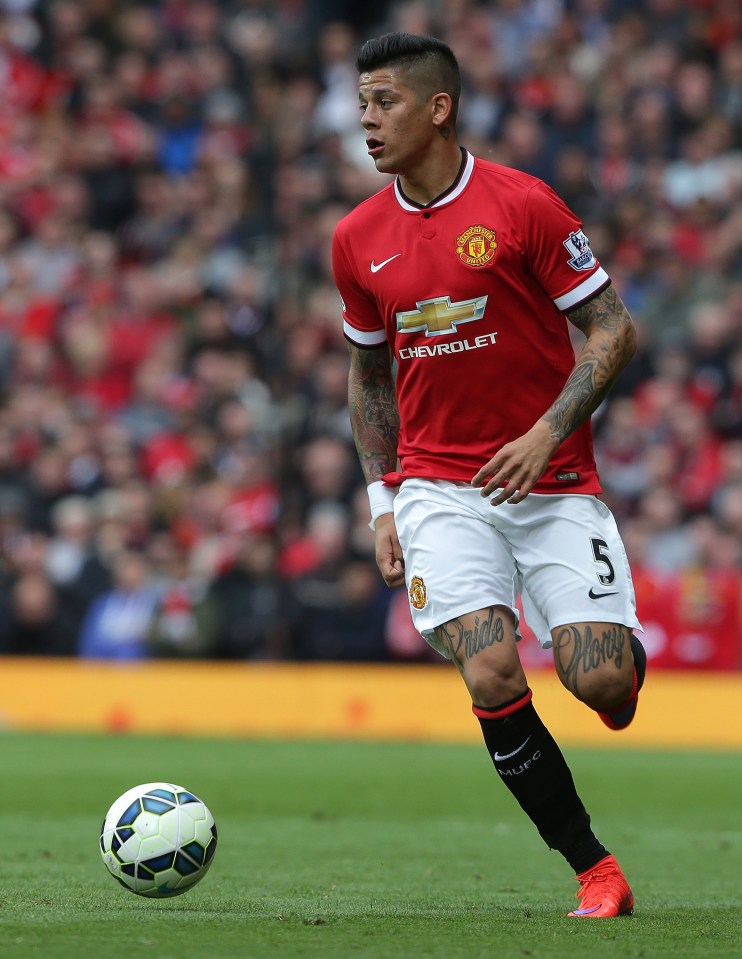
x: 506, y: 177
x: 368, y: 212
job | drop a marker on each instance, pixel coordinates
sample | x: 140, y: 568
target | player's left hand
x: 389, y: 556
x: 518, y: 466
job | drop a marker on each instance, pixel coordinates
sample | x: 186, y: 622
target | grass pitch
x: 375, y: 851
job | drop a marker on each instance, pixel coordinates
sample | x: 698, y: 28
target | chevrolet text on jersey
x: 441, y: 349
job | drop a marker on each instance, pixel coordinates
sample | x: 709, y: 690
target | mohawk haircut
x: 430, y: 62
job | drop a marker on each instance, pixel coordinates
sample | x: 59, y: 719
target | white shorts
x: 562, y: 553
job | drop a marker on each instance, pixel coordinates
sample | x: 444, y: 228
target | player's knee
x: 490, y: 687
x: 605, y: 689
x: 592, y: 664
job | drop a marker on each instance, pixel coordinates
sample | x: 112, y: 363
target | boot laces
x: 596, y: 875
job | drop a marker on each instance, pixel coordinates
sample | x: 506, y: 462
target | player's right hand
x: 388, y: 551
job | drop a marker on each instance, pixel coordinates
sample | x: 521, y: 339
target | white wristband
x: 381, y: 500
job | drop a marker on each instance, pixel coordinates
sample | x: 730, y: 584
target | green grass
x: 375, y: 851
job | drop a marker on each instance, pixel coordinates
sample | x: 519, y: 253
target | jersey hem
x: 590, y: 487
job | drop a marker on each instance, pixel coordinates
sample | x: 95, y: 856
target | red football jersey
x: 469, y: 292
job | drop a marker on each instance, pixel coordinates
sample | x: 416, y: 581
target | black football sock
x: 532, y: 767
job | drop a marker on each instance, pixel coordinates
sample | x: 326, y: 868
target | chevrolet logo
x: 439, y: 315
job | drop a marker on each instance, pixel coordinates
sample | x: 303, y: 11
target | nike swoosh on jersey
x: 593, y: 595
x: 498, y: 757
x: 375, y: 267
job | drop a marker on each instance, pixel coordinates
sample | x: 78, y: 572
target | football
x: 158, y: 840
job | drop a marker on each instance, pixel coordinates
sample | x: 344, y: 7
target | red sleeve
x: 558, y: 251
x: 362, y: 324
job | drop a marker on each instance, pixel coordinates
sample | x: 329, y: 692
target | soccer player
x: 471, y: 418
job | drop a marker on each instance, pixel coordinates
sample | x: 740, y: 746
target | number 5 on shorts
x: 600, y: 556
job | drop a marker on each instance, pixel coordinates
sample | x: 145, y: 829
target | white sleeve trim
x: 582, y: 292
x: 375, y: 338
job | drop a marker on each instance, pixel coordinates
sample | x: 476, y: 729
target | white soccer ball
x: 158, y: 840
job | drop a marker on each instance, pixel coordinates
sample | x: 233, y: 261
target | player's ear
x: 441, y: 105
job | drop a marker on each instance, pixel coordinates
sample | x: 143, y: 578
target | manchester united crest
x: 476, y: 246
x: 418, y: 593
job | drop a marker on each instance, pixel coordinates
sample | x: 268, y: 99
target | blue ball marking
x: 130, y: 814
x: 163, y: 794
x: 186, y: 797
x: 159, y: 863
x: 185, y: 866
x: 156, y: 805
x: 196, y: 851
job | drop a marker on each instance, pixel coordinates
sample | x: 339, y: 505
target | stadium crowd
x: 177, y: 474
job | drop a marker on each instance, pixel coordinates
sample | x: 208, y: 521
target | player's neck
x: 434, y: 175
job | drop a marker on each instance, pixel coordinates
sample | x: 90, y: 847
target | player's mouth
x: 375, y: 147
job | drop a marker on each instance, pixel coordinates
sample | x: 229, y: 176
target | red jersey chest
x: 441, y: 272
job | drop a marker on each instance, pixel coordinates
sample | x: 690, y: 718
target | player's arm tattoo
x: 578, y: 651
x: 372, y: 404
x: 462, y: 642
x: 611, y: 342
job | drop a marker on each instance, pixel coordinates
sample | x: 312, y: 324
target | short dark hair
x: 432, y: 61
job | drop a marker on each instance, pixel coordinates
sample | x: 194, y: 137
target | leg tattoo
x: 462, y: 643
x: 578, y: 652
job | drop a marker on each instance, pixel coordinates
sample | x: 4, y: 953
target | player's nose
x: 368, y: 119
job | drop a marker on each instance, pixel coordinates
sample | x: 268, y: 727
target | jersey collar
x: 448, y: 196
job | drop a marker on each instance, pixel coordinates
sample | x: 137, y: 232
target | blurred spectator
x: 669, y: 542
x: 699, y: 457
x: 321, y: 551
x: 48, y: 484
x: 184, y: 623
x: 620, y: 449
x: 257, y: 615
x: 34, y: 621
x: 118, y: 622
x: 70, y: 546
x: 343, y: 616
x: 728, y: 509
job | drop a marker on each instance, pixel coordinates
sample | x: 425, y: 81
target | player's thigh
x: 594, y: 660
x: 455, y: 562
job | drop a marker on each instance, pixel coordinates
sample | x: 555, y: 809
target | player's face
x: 396, y: 119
